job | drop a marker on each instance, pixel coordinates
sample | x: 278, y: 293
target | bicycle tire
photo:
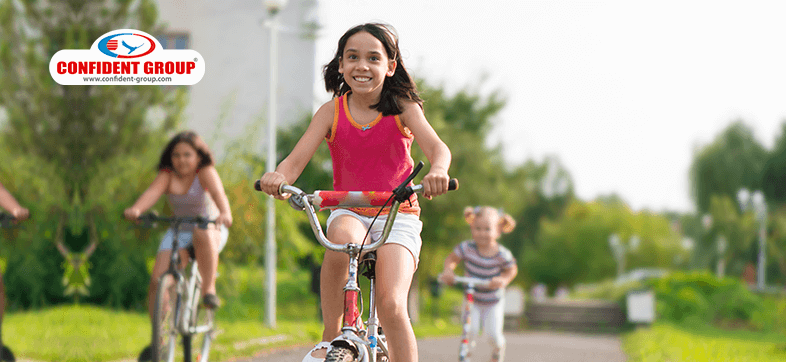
x: 6, y: 355
x: 164, y: 319
x: 341, y: 354
x: 201, y: 316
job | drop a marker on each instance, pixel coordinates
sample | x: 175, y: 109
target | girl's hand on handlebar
x: 224, y: 219
x: 132, y: 213
x: 435, y: 183
x: 270, y: 182
x: 20, y: 213
x: 496, y: 283
x: 447, y: 277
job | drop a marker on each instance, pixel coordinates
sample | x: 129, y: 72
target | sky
x: 623, y: 93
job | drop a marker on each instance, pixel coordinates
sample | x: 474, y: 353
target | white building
x: 232, y: 97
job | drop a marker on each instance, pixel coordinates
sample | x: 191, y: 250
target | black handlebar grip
x: 257, y: 186
x: 453, y: 184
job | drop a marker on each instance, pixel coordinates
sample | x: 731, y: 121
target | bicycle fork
x: 365, y: 342
x: 467, y: 319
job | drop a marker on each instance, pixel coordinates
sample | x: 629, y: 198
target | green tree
x: 774, y: 174
x: 78, y: 130
x: 732, y: 161
x: 575, y: 247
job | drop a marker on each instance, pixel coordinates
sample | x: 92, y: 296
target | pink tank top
x: 371, y: 157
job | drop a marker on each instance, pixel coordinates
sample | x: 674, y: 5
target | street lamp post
x: 755, y: 201
x: 273, y: 8
x: 620, y: 250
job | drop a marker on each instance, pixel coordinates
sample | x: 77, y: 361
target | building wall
x: 232, y: 37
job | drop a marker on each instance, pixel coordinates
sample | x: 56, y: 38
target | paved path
x: 535, y: 346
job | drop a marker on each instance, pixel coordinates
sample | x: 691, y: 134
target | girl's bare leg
x: 394, y: 270
x: 206, y: 243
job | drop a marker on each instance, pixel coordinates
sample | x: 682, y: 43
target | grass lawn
x: 94, y: 334
x: 671, y: 343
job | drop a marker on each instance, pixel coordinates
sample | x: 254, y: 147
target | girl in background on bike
x: 9, y: 203
x: 369, y: 127
x: 485, y: 258
x: 187, y: 176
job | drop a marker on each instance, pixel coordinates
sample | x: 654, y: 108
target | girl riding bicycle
x: 369, y: 127
x: 485, y: 258
x: 9, y: 203
x: 187, y: 175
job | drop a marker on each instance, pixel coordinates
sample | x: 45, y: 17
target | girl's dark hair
x: 191, y: 138
x: 399, y: 86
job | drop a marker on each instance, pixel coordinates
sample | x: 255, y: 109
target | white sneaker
x: 320, y: 345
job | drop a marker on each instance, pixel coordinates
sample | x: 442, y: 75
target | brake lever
x: 403, y: 192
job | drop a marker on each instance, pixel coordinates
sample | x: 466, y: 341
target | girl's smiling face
x: 485, y: 228
x: 365, y: 63
x: 185, y: 159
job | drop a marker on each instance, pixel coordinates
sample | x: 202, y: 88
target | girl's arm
x: 8, y: 202
x: 502, y: 280
x: 291, y: 167
x: 436, y: 180
x: 208, y: 176
x: 150, y: 196
x: 450, y: 265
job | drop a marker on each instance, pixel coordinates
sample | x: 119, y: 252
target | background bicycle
x: 177, y: 309
x: 467, y: 340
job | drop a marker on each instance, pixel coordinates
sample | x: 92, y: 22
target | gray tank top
x: 195, y: 202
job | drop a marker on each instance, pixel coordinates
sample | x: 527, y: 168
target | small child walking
x: 485, y: 258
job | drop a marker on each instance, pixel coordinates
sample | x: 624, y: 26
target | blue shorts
x: 184, y: 238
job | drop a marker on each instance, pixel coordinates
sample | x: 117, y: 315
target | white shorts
x: 405, y: 232
x: 184, y: 238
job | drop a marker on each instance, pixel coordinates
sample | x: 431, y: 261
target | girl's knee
x: 392, y: 309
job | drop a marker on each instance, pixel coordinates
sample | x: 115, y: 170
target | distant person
x: 562, y: 293
x: 187, y: 176
x: 8, y: 203
x: 539, y: 292
x: 369, y: 127
x: 485, y: 258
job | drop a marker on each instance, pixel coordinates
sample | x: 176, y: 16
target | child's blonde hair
x: 506, y: 222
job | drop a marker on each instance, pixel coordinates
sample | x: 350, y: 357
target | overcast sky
x: 622, y: 92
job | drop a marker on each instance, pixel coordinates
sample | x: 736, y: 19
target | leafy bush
x: 701, y: 297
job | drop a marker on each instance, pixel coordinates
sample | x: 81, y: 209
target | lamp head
x: 274, y: 6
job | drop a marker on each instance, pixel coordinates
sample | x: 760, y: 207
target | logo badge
x: 127, y: 57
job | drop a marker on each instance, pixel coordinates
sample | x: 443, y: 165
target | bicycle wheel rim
x: 165, y: 320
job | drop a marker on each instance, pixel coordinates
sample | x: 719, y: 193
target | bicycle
x: 359, y: 341
x: 6, y: 222
x: 177, y: 309
x: 469, y: 298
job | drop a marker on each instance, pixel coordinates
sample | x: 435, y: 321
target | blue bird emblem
x: 130, y: 48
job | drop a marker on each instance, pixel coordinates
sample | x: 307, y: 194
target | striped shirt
x: 479, y: 266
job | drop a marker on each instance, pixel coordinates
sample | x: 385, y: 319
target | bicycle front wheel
x: 340, y: 354
x: 165, y: 319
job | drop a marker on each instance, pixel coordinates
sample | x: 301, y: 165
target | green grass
x: 667, y: 342
x: 94, y: 334
x: 74, y: 333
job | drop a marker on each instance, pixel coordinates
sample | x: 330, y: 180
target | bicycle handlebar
x: 471, y: 282
x: 201, y: 222
x: 334, y: 199
x: 6, y: 220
